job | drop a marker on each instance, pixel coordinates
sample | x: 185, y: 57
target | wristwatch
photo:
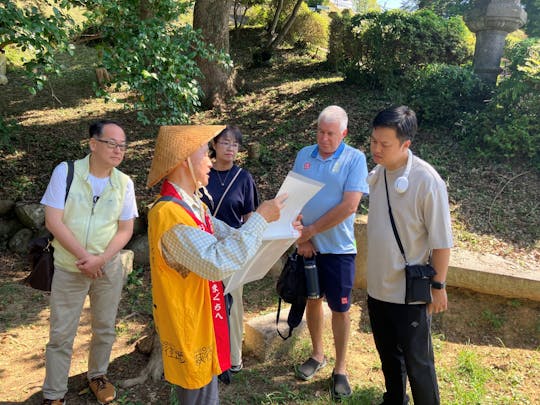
x: 438, y: 285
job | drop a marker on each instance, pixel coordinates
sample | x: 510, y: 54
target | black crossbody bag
x: 417, y: 277
x: 41, y: 252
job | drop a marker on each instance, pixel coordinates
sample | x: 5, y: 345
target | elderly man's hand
x: 306, y: 249
x: 270, y: 210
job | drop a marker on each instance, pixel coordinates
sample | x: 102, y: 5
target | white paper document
x: 279, y: 235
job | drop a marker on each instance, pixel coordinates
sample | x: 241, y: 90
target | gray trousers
x: 207, y: 395
x: 236, y: 326
x: 69, y: 290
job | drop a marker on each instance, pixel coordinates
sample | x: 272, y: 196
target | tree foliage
x: 532, y: 27
x: 315, y: 3
x: 43, y: 33
x: 384, y: 46
x: 241, y: 8
x: 145, y: 49
x: 309, y: 29
x: 445, y: 8
x: 365, y: 6
x: 448, y: 8
x: 441, y: 93
x: 509, y: 123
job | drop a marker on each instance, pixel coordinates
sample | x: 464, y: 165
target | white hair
x: 334, y: 113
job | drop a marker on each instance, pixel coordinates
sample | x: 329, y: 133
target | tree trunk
x: 263, y: 56
x: 273, y: 25
x: 276, y: 40
x: 212, y: 18
x: 154, y: 367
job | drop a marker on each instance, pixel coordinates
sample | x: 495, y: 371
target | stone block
x: 480, y: 272
x: 31, y: 215
x: 262, y: 340
x: 6, y: 206
x: 360, y: 234
x: 490, y: 274
x: 126, y: 257
x: 139, y: 246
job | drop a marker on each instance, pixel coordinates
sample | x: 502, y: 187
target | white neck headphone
x: 402, y: 183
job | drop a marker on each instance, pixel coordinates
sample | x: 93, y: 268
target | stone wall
x: 480, y: 272
x: 21, y: 222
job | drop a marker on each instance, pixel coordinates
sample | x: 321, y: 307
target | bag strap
x: 394, y: 228
x: 277, y: 322
x: 226, y: 190
x: 176, y: 200
x: 69, y: 179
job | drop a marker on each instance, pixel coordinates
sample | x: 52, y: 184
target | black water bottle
x: 312, y: 279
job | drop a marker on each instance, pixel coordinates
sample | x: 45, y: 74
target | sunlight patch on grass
x: 467, y: 379
x: 293, y: 87
x: 60, y: 115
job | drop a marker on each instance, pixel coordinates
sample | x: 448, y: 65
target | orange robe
x: 189, y: 311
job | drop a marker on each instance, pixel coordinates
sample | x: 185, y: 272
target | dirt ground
x: 504, y: 334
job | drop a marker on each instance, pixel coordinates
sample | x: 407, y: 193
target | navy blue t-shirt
x: 241, y: 199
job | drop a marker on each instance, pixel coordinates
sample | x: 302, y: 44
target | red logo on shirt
x: 344, y: 300
x: 307, y: 165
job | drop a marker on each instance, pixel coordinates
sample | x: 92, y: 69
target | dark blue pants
x: 403, y: 339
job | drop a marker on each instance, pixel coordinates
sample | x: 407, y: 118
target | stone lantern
x: 492, y: 21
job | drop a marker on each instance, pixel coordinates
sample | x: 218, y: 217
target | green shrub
x: 258, y: 15
x: 510, y: 123
x: 309, y: 28
x: 387, y: 45
x: 441, y: 94
x: 340, y: 39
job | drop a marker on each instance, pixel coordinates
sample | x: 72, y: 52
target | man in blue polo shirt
x: 329, y: 236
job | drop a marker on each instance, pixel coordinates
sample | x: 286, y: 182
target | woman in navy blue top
x: 234, y: 198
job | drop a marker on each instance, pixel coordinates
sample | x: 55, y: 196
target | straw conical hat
x: 174, y: 144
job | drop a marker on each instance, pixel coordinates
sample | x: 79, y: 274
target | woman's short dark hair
x: 400, y: 118
x: 230, y: 130
x: 96, y: 128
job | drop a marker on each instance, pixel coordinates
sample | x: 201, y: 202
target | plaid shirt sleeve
x: 213, y: 257
x: 221, y: 229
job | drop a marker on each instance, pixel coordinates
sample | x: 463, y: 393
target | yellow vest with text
x: 182, y: 308
x: 93, y: 224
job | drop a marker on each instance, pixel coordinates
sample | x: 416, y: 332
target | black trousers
x: 403, y: 339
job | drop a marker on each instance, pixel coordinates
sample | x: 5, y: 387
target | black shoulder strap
x: 69, y: 180
x: 277, y: 322
x: 394, y: 228
x: 176, y: 200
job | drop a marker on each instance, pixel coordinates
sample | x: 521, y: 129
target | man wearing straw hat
x: 189, y: 253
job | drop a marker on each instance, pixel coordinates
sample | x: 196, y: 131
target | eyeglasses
x: 227, y: 144
x: 112, y: 144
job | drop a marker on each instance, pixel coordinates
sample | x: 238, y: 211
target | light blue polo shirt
x: 345, y: 170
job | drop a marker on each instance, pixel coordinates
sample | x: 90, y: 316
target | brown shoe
x: 54, y: 402
x: 102, y: 389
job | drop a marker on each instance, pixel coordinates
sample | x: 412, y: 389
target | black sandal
x: 340, y: 387
x: 307, y: 370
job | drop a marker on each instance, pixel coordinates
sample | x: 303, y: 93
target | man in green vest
x: 90, y: 225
